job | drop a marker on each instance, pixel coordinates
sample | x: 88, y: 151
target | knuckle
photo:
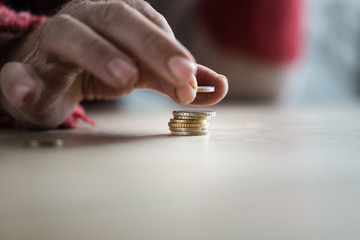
x: 111, y: 11
x: 54, y: 30
x: 93, y: 47
x: 62, y: 19
x: 56, y: 24
x: 152, y: 42
x: 153, y: 15
x: 145, y: 8
x: 160, y: 20
x: 92, y: 44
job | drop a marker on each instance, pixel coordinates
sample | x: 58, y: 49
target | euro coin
x: 198, y: 129
x: 173, y: 120
x: 205, y: 89
x: 188, y: 125
x: 191, y: 118
x: 190, y: 113
x: 189, y: 133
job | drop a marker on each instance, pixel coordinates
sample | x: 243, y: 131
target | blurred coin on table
x: 34, y: 143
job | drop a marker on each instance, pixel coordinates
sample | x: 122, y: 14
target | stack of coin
x: 190, y: 123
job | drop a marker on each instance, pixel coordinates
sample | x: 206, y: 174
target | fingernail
x: 185, y: 94
x: 121, y: 70
x: 193, y: 83
x: 223, y: 77
x: 182, y: 68
x: 21, y: 91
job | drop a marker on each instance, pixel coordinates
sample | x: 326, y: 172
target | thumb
x: 20, y: 87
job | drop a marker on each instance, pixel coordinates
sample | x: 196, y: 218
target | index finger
x: 149, y: 12
x: 142, y: 39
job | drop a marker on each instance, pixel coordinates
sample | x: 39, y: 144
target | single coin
x: 191, y: 113
x: 204, y: 118
x: 205, y: 89
x: 45, y: 143
x: 203, y: 121
x: 188, y: 125
x: 194, y: 129
x: 189, y: 133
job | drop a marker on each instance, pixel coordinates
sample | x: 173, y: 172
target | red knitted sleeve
x: 265, y: 29
x: 17, y: 23
x: 13, y: 22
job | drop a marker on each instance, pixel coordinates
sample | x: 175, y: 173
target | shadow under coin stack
x: 190, y: 123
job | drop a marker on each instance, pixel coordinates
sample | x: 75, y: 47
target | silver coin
x: 198, y: 118
x: 188, y: 125
x: 205, y: 89
x: 192, y: 113
x: 189, y: 133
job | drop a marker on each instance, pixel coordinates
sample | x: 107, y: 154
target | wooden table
x: 264, y: 172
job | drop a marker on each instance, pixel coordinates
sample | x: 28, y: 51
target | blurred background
x: 324, y: 67
x: 331, y: 62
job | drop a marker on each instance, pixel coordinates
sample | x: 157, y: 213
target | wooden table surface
x: 264, y: 172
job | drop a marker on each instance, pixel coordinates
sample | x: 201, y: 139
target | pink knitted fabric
x: 13, y: 22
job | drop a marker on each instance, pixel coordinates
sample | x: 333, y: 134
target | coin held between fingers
x: 205, y: 89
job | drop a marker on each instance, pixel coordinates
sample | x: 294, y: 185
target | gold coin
x: 194, y: 129
x: 188, y: 125
x: 45, y: 143
x: 188, y: 121
x: 189, y: 133
x: 205, y: 89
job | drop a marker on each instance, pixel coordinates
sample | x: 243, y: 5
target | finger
x: 207, y: 77
x: 93, y: 88
x: 25, y: 97
x: 183, y: 94
x: 137, y: 35
x: 204, y: 77
x: 72, y: 41
x: 148, y: 11
x: 20, y: 87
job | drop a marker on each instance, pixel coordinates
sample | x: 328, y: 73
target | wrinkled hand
x: 100, y: 50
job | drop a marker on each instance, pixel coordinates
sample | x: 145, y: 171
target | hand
x: 100, y: 50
